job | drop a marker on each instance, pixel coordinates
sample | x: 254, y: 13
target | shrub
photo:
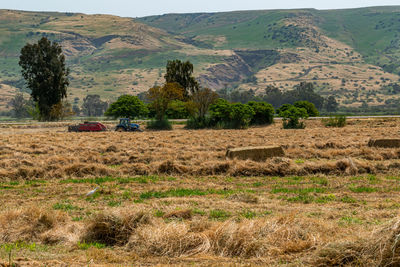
x: 127, y: 106
x: 220, y: 111
x: 198, y: 123
x: 283, y: 108
x: 241, y: 116
x: 263, y: 113
x: 233, y: 116
x: 335, y: 121
x: 308, y: 106
x: 162, y: 124
x: 291, y: 118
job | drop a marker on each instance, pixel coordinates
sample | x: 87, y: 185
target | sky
x: 140, y: 8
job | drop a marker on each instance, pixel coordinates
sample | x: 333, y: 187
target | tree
x: 291, y: 117
x: 312, y: 111
x: 263, y: 113
x: 127, y: 106
x: 202, y: 99
x: 161, y: 96
x: 93, y: 106
x: 274, y: 96
x: 181, y: 73
x: 282, y: 109
x: 220, y: 111
x: 241, y: 116
x: 61, y: 110
x: 305, y: 91
x: 178, y: 109
x: 18, y: 106
x: 226, y: 115
x: 43, y: 68
x: 331, y: 104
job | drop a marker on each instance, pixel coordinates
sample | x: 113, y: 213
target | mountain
x: 353, y: 54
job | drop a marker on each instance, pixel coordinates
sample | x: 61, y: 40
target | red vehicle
x: 88, y: 127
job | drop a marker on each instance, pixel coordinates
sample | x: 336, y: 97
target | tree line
x: 181, y: 96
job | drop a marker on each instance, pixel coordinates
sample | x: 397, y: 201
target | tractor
x: 125, y: 125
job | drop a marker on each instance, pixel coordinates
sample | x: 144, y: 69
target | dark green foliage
x: 198, y: 123
x: 331, y: 105
x: 220, y: 111
x: 310, y: 107
x: 127, y: 106
x: 43, y: 68
x: 335, y: 121
x: 19, y: 106
x: 301, y: 92
x: 263, y: 113
x: 240, y: 116
x: 177, y: 110
x: 226, y: 115
x: 274, y: 96
x: 283, y: 108
x: 181, y: 73
x: 93, y: 106
x: 291, y: 117
x: 159, y: 124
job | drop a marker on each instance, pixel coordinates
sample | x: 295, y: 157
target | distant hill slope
x: 353, y: 54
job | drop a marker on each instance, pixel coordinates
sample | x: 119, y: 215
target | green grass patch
x: 347, y: 220
x: 347, y: 199
x: 303, y: 198
x: 85, y: 246
x: 248, y: 214
x: 183, y: 192
x: 114, y: 203
x: 320, y: 180
x: 18, y: 246
x: 65, y: 206
x: 278, y: 190
x: 362, y: 189
x: 159, y: 213
x: 325, y: 199
x: 35, y: 182
x: 220, y: 215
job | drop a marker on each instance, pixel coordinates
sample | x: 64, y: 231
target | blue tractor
x: 125, y: 125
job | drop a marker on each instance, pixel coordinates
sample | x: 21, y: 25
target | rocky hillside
x: 353, y: 54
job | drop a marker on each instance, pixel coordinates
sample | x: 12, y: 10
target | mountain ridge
x: 350, y: 53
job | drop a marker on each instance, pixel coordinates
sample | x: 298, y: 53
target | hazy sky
x: 139, y: 8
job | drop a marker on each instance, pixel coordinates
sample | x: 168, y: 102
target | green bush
x: 282, y: 108
x: 263, y: 113
x: 240, y: 116
x: 198, y: 123
x: 127, y: 106
x: 291, y: 118
x: 163, y: 124
x: 232, y: 116
x: 220, y: 111
x: 312, y: 111
x: 335, y: 121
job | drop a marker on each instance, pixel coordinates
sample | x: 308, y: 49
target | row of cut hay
x: 272, y: 167
x: 381, y: 248
x: 260, y: 238
x: 148, y: 236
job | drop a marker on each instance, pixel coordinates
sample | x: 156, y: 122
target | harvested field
x: 172, y: 198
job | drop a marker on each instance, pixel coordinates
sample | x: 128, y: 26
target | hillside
x: 353, y: 54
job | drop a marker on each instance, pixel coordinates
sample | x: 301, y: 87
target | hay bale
x: 255, y: 153
x: 388, y: 143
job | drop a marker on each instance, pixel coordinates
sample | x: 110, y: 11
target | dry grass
x: 172, y: 197
x: 326, y: 151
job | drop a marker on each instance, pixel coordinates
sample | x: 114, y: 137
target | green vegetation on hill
x: 352, y: 54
